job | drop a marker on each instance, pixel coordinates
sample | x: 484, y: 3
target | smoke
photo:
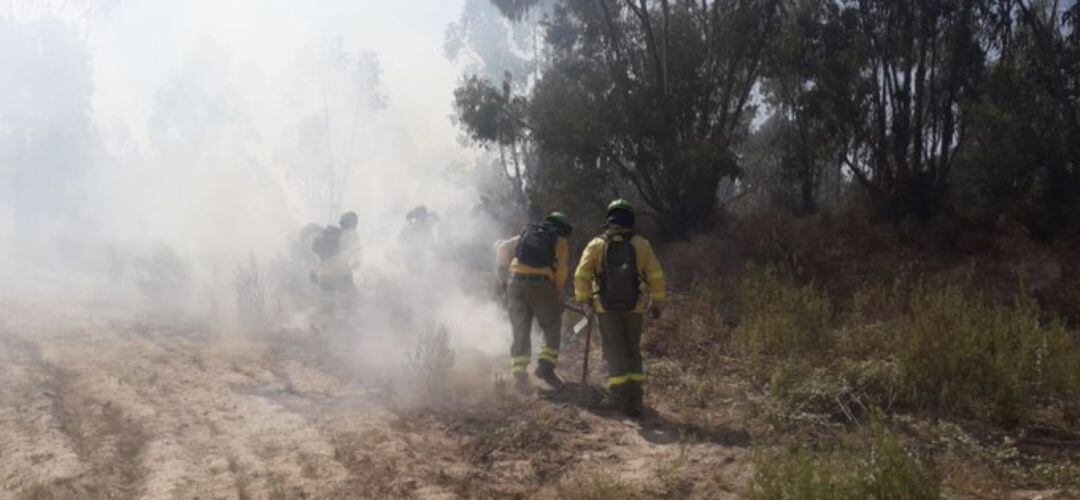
x: 163, y: 153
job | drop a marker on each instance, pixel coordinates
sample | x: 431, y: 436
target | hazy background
x: 207, y: 123
x: 202, y: 135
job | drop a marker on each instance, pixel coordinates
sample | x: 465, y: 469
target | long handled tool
x: 585, y: 364
x: 584, y: 324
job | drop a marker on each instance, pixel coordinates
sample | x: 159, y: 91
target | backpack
x: 536, y: 246
x: 619, y: 281
x: 327, y: 243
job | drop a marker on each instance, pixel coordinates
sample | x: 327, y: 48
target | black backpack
x: 327, y: 243
x: 536, y: 246
x: 620, y: 282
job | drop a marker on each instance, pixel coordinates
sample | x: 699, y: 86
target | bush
x: 597, y: 485
x: 163, y: 277
x: 778, y: 318
x: 879, y: 468
x: 432, y: 362
x: 250, y: 294
x: 845, y: 392
x: 960, y: 355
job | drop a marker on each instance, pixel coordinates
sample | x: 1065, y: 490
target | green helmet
x: 620, y: 204
x: 560, y: 220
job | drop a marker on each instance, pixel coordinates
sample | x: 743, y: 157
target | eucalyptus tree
x: 650, y: 95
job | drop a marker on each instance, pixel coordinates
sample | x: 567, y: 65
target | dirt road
x: 98, y: 403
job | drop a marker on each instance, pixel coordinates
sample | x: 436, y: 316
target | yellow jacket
x: 505, y: 260
x: 586, y: 285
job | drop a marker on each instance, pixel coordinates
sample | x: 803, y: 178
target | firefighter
x: 417, y: 240
x: 620, y: 278
x: 533, y: 268
x: 338, y: 249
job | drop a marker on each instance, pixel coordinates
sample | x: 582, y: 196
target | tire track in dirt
x: 138, y: 409
x: 32, y: 436
x: 101, y: 404
x: 55, y: 421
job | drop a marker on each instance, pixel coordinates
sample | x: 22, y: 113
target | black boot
x: 614, y: 400
x: 545, y: 370
x: 635, y: 400
x: 521, y: 383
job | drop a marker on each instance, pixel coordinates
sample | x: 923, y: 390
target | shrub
x: 778, y: 318
x: 163, y: 277
x: 432, y: 362
x: 597, y: 485
x: 878, y: 468
x: 960, y: 355
x: 250, y: 293
x: 845, y: 392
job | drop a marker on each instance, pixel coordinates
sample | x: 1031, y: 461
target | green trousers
x: 528, y: 298
x: 620, y: 337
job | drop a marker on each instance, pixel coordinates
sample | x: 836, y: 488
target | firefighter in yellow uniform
x: 619, y: 276
x: 533, y: 268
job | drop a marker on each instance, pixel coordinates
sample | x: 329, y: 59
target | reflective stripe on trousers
x: 519, y: 363
x: 549, y: 354
x: 623, y: 379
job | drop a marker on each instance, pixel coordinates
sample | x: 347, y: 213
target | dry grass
x: 779, y: 319
x: 596, y: 485
x: 806, y: 324
x: 875, y: 464
x: 959, y: 355
x: 431, y: 363
x: 946, y: 350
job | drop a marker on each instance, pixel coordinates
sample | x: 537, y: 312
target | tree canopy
x: 925, y: 107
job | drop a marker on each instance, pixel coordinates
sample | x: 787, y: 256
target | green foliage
x: 1016, y: 166
x: 846, y: 393
x: 927, y: 108
x: 811, y: 73
x: 907, y: 130
x: 878, y: 467
x: 897, y: 345
x: 488, y: 113
x: 960, y: 355
x: 778, y: 319
x: 496, y: 117
x: 648, y: 94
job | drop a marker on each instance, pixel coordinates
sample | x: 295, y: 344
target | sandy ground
x: 97, y: 403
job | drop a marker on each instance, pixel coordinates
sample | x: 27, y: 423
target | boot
x: 635, y: 400
x: 521, y: 383
x: 545, y: 370
x: 614, y: 400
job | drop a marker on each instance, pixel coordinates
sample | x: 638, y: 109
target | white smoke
x: 179, y: 141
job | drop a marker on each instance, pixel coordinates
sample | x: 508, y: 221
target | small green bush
x: 879, y: 468
x: 960, y: 355
x: 846, y: 391
x: 778, y: 318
